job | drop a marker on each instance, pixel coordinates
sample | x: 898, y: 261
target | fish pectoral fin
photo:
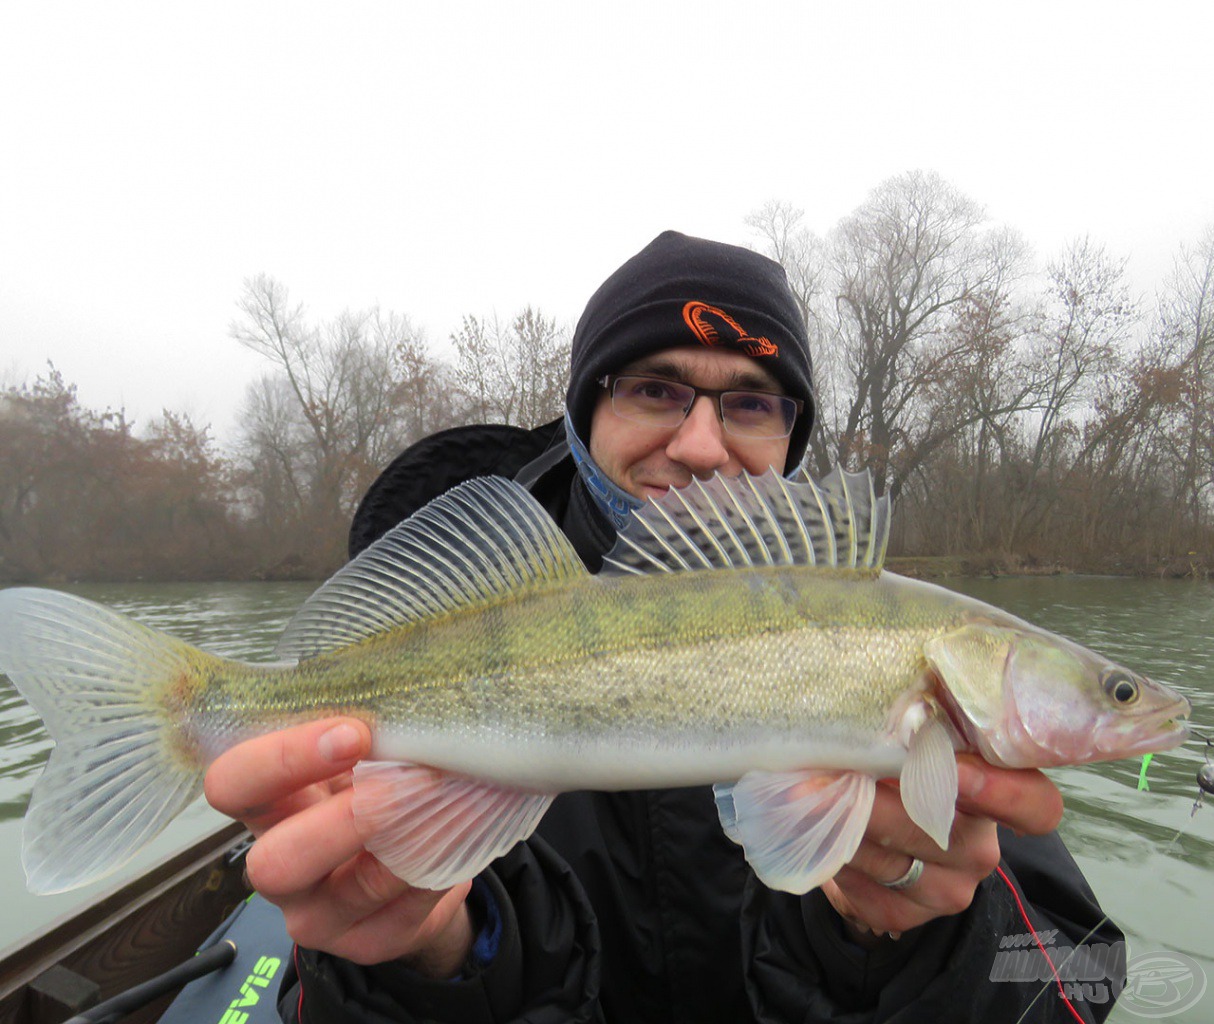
x: 434, y: 829
x: 797, y: 828
x: 929, y: 781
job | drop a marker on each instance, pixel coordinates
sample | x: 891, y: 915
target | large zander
x: 742, y: 634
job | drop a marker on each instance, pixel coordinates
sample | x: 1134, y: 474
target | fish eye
x: 1121, y: 687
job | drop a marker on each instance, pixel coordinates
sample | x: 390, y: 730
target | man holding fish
x: 690, y: 361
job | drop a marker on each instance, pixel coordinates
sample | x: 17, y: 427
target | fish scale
x: 680, y: 658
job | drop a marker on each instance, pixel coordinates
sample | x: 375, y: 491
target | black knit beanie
x: 680, y: 290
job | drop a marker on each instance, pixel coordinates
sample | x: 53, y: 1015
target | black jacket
x: 634, y: 907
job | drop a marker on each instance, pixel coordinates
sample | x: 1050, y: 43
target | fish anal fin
x: 797, y: 828
x: 434, y: 829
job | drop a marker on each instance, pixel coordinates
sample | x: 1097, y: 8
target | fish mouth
x: 1153, y: 731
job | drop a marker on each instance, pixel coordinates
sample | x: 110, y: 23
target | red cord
x: 299, y: 1008
x: 1024, y: 915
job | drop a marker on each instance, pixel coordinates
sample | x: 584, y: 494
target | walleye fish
x: 742, y: 634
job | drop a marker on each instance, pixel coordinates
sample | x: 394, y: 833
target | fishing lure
x: 1205, y: 777
x: 1142, y: 773
x: 1205, y: 774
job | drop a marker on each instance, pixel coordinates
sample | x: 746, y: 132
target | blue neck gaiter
x: 613, y: 501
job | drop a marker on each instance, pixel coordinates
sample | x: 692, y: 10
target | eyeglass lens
x: 660, y: 402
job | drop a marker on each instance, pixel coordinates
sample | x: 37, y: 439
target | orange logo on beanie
x: 716, y: 327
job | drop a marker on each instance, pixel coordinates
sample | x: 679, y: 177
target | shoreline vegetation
x: 1191, y: 566
x: 1036, y: 412
x: 929, y: 567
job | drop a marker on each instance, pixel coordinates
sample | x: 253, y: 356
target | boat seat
x: 246, y: 991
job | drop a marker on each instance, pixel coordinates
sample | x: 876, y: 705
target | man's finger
x: 441, y: 931
x: 1025, y: 800
x: 304, y: 849
x: 431, y: 929
x: 247, y: 780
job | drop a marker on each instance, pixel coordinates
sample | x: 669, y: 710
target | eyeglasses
x: 658, y: 402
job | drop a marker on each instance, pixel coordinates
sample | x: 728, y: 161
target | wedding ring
x: 909, y: 879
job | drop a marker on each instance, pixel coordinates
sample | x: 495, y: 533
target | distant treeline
x: 1018, y: 416
x: 83, y: 497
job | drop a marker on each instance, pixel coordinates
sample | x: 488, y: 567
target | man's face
x: 646, y: 460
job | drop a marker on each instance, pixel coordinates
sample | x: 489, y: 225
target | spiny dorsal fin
x: 731, y: 522
x: 859, y: 517
x: 480, y: 541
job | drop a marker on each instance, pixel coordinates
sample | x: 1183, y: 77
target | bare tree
x: 542, y: 356
x: 796, y: 248
x: 1013, y: 420
x: 1077, y: 345
x: 906, y: 265
x: 1186, y: 316
x: 426, y: 395
x: 335, y: 418
x: 1120, y: 486
x: 512, y: 374
x: 803, y: 255
x: 482, y: 370
x: 272, y: 443
x: 968, y: 427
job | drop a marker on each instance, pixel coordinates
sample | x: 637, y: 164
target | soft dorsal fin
x: 476, y: 543
x: 731, y: 522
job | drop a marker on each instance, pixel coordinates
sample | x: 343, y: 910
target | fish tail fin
x: 119, y: 772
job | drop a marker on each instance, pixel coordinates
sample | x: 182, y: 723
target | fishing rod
x: 199, y: 965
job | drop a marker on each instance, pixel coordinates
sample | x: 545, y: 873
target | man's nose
x: 699, y: 441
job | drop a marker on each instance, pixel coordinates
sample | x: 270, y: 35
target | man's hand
x: 293, y: 791
x: 1024, y: 800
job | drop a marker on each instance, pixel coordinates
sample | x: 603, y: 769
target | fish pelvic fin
x: 797, y: 828
x: 434, y: 829
x: 744, y: 521
x: 103, y: 684
x: 476, y: 544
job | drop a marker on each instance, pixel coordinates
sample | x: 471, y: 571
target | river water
x: 1157, y: 887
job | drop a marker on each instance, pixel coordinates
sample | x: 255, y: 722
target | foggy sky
x: 471, y: 158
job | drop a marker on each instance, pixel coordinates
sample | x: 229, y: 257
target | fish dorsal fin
x: 860, y: 519
x: 732, y: 522
x: 475, y: 544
